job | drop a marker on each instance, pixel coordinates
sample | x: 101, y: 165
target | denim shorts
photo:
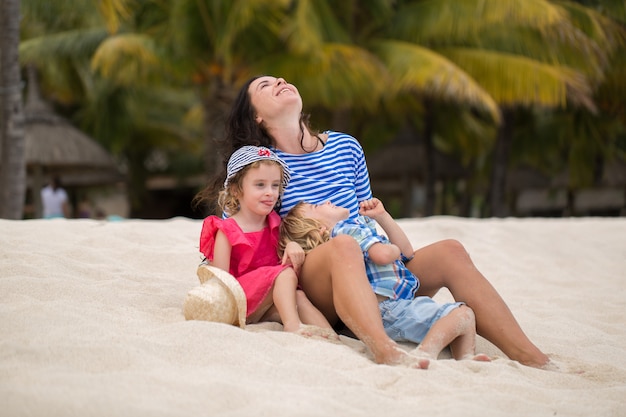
x: 410, y: 320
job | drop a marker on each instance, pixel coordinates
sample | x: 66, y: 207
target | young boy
x: 405, y: 317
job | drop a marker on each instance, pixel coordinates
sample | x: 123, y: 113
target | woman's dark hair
x: 241, y: 126
x: 241, y: 130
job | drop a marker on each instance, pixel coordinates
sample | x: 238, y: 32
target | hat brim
x: 207, y: 272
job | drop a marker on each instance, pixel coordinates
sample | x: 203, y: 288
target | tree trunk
x: 429, y: 159
x: 217, y: 98
x: 501, y: 163
x: 12, y: 143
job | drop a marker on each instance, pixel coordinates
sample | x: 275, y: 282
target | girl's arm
x: 221, y: 252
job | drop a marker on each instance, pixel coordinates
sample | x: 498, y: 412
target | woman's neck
x: 292, y: 139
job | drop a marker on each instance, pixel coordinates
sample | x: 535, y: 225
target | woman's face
x: 273, y: 97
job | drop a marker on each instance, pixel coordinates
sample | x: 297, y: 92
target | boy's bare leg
x: 449, y: 330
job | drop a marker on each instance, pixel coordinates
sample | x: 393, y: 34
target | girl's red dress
x: 253, y: 259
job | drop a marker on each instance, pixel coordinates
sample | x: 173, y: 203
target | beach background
x: 92, y: 325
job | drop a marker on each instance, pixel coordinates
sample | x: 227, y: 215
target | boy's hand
x: 294, y: 255
x: 371, y: 208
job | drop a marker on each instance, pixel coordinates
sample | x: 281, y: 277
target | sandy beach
x: 92, y: 325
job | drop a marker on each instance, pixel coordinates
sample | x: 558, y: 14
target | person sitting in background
x: 54, y: 200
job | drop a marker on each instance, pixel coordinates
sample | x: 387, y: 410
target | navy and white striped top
x: 337, y: 173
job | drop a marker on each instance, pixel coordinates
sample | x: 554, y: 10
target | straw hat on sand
x: 220, y: 298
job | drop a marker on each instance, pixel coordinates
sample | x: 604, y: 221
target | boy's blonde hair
x: 306, y: 232
x: 228, y: 197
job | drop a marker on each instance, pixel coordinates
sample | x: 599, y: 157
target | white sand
x: 91, y: 324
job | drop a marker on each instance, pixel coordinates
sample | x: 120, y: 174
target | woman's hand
x: 294, y: 255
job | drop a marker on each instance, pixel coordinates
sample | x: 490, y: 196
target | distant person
x: 54, y: 200
x: 83, y: 209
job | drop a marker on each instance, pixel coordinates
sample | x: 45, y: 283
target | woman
x: 331, y: 166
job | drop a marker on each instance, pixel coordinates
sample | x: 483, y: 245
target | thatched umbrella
x: 55, y: 147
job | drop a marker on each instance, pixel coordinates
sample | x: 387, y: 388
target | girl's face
x: 260, y: 188
x: 272, y: 97
x: 327, y: 213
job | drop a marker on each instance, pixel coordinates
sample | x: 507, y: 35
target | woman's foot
x: 538, y: 361
x: 532, y: 357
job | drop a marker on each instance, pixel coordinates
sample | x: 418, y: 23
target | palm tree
x: 555, y: 62
x: 212, y: 44
x: 342, y: 57
x: 422, y: 54
x: 109, y: 78
x: 580, y: 142
x: 12, y: 169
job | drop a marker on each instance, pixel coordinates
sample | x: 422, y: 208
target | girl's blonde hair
x: 306, y: 232
x: 228, y: 197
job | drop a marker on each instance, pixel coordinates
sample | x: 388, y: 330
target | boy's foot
x: 395, y: 356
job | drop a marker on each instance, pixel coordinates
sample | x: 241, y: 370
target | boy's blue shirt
x: 393, y: 280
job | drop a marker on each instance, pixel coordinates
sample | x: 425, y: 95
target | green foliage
x: 152, y: 77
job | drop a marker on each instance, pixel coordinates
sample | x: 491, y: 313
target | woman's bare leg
x: 333, y: 277
x: 447, y: 264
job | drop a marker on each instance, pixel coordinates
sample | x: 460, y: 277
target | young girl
x: 405, y: 317
x: 245, y: 244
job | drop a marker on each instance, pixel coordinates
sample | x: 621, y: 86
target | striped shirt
x: 337, y: 173
x: 393, y: 280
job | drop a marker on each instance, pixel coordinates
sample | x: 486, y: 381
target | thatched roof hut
x: 54, y: 147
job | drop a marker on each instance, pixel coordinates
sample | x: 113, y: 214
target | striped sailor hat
x: 248, y: 154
